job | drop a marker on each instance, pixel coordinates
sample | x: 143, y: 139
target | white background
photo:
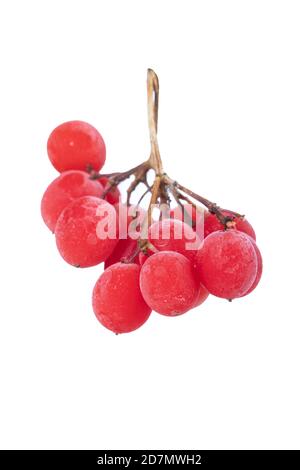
x: 224, y: 375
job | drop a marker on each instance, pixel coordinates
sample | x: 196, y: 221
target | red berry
x: 64, y: 189
x: 168, y: 283
x: 125, y: 249
x: 259, y: 267
x: 212, y: 224
x: 76, y: 145
x: 113, y: 195
x: 117, y: 299
x: 227, y: 263
x: 174, y: 235
x: 77, y: 231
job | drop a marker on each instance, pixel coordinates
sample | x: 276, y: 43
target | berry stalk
x: 163, y: 187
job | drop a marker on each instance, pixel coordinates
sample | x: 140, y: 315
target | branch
x: 211, y: 206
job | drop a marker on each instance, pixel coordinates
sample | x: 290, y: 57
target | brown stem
x: 148, y: 190
x: 153, y: 200
x: 154, y: 160
x: 177, y: 196
x: 211, y: 206
x: 117, y: 176
x: 153, y: 94
x: 233, y: 214
x: 140, y: 176
x: 185, y: 198
x: 164, y: 197
x: 139, y: 171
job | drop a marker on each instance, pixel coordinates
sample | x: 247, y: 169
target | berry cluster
x: 169, y: 265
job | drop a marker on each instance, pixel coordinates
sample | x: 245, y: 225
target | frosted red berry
x: 77, y: 233
x: 64, y: 189
x: 227, y: 263
x: 168, y: 283
x: 117, y: 300
x: 76, y: 145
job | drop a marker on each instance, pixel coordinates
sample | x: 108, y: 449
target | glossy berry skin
x: 124, y: 250
x: 174, y: 235
x: 259, y: 267
x: 168, y: 283
x: 201, y: 296
x: 227, y: 263
x: 76, y: 145
x: 212, y: 224
x: 64, y: 189
x: 117, y: 300
x: 76, y: 232
x: 113, y: 195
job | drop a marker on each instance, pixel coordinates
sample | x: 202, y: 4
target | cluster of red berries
x: 169, y: 274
